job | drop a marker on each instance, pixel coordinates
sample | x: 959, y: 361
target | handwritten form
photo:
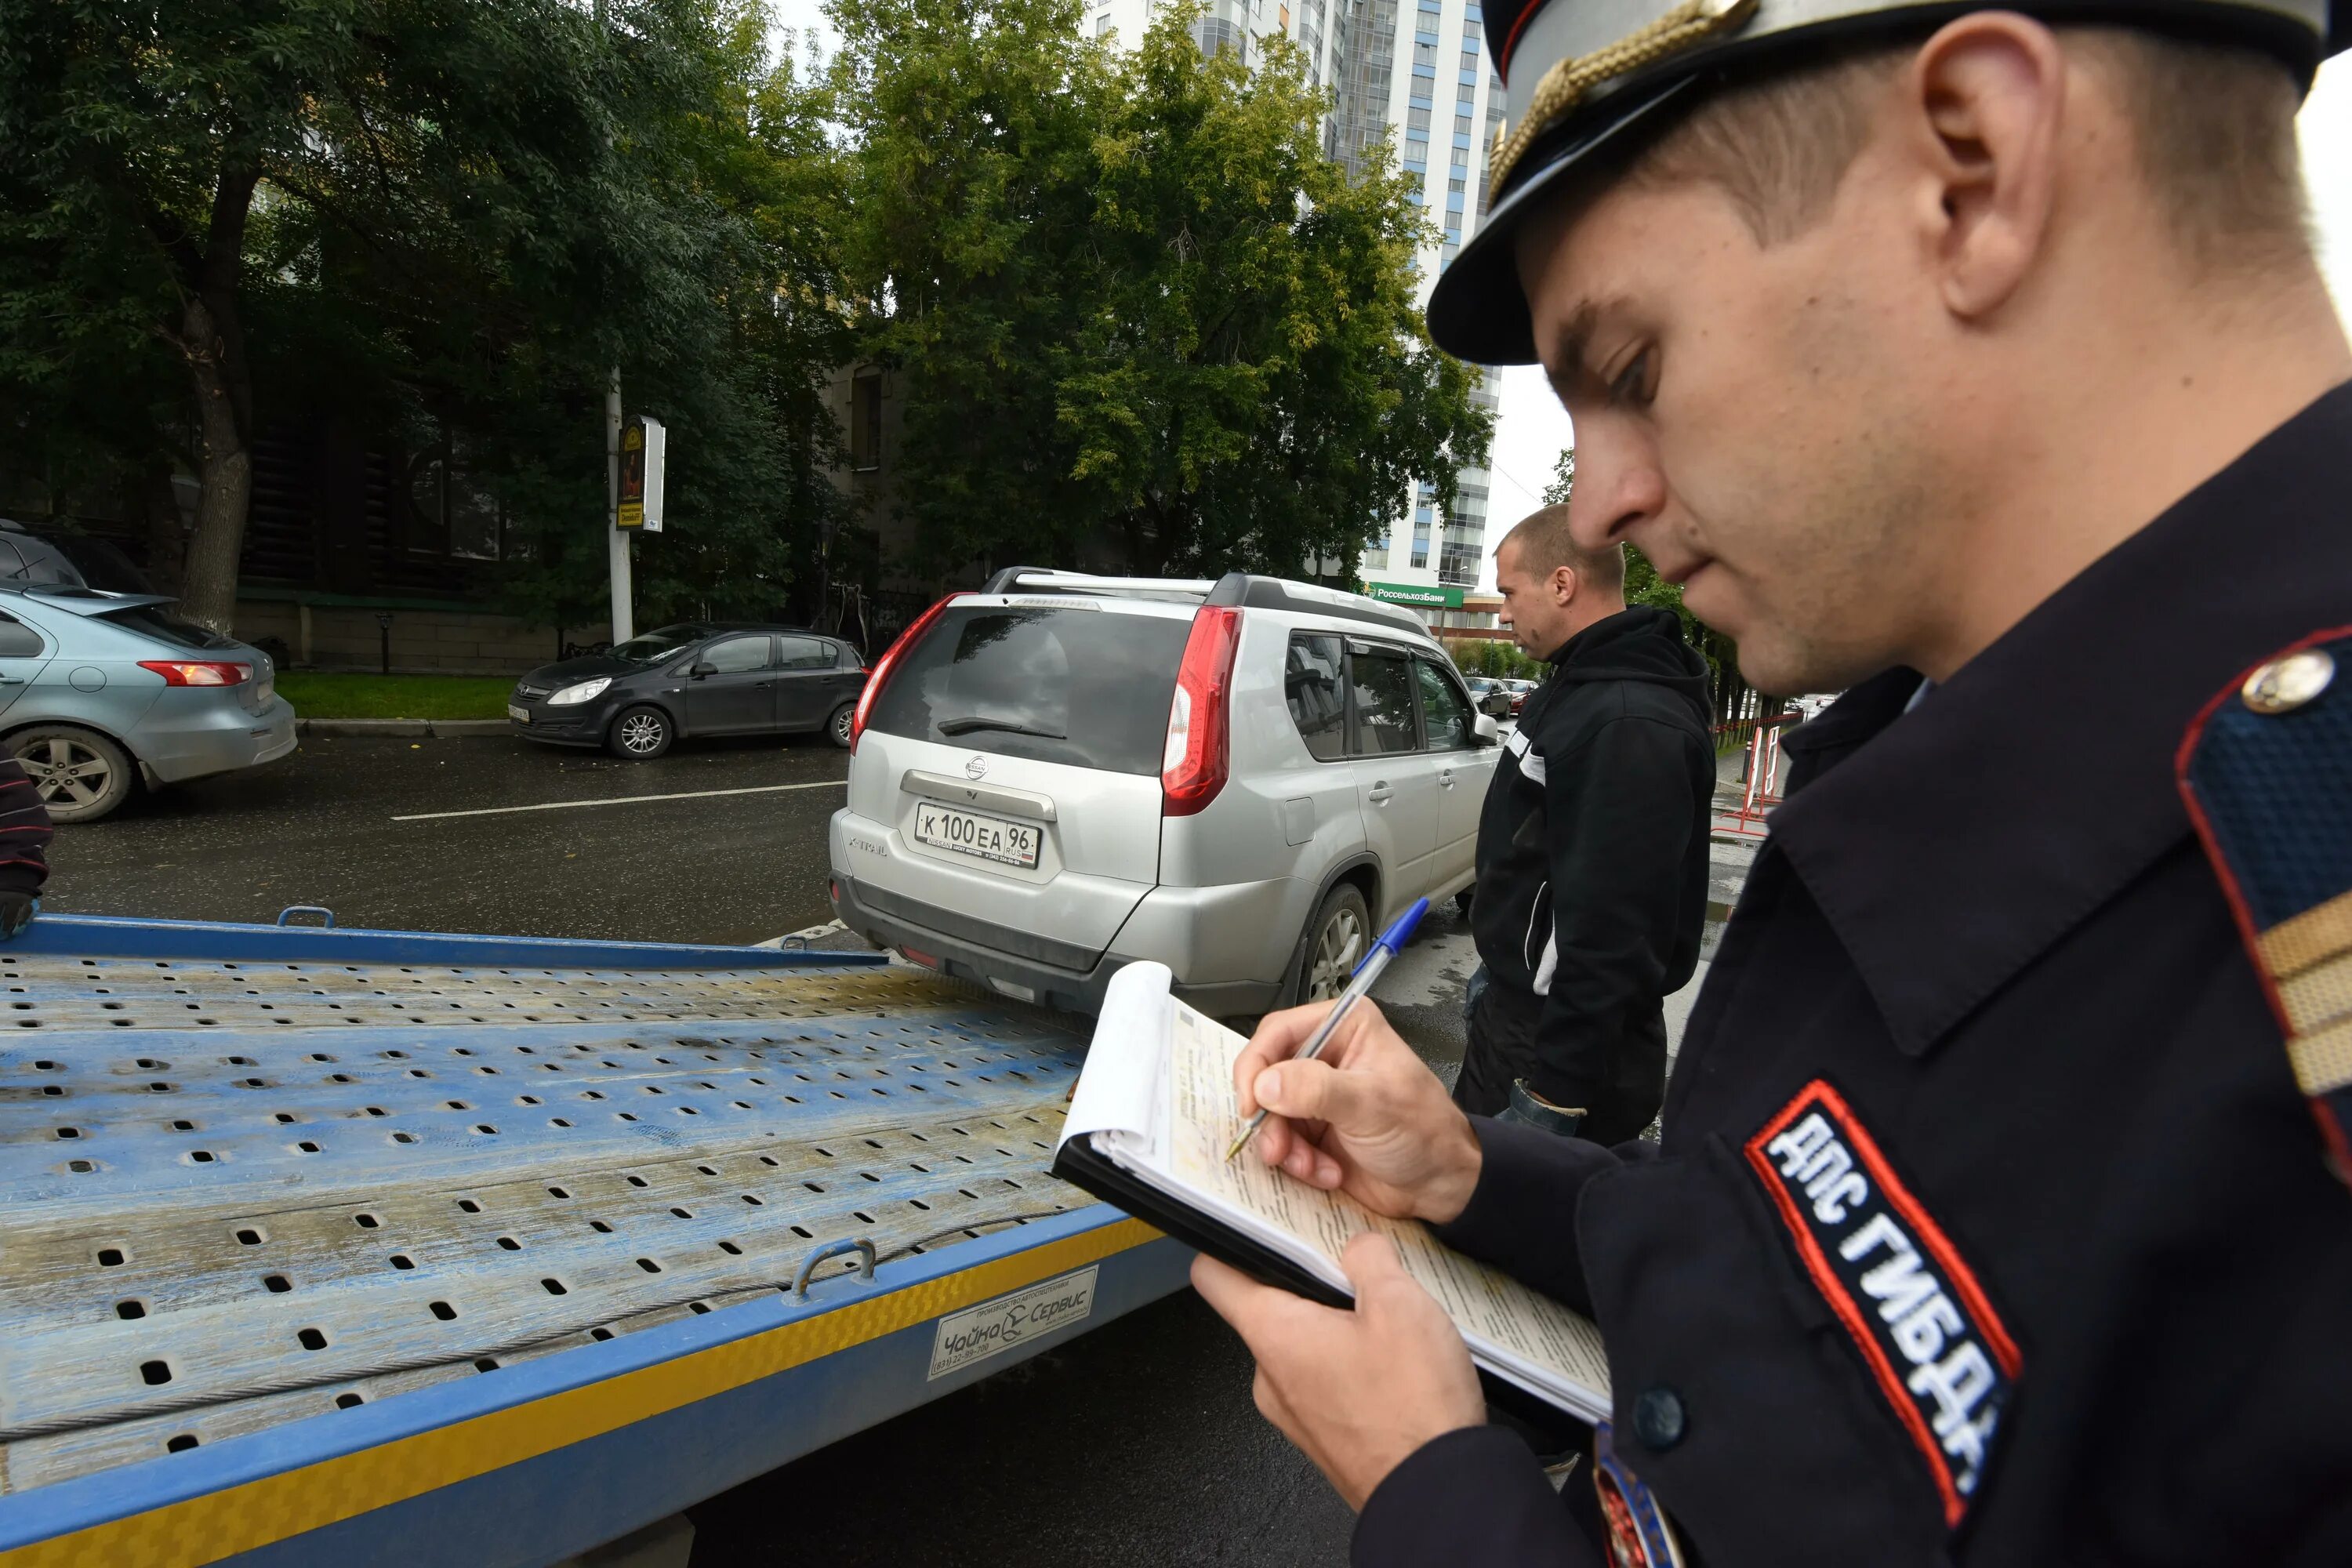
x: 1174, y: 1134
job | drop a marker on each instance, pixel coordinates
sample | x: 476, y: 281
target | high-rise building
x: 1421, y: 73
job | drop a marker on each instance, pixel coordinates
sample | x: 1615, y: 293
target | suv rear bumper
x: 1014, y: 961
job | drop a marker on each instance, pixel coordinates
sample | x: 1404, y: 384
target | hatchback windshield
x: 1082, y: 686
x: 658, y: 644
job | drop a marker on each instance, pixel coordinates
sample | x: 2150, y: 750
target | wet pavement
x: 326, y: 826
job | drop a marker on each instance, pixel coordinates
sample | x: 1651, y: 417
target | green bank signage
x: 1414, y: 593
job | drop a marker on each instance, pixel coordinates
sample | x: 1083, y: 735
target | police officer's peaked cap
x: 1581, y: 75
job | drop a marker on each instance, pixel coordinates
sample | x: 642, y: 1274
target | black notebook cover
x: 1078, y: 1162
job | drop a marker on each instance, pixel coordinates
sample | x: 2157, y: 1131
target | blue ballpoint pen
x: 1392, y: 940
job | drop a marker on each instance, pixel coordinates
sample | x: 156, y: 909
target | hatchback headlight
x: 572, y: 696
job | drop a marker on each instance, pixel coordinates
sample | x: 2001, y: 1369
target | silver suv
x: 1242, y: 778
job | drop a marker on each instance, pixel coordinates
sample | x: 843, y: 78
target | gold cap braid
x: 1563, y: 86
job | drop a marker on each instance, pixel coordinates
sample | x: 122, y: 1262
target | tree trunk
x: 212, y: 340
x: 208, y: 580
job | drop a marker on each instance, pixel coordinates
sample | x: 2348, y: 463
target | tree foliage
x: 1136, y: 313
x: 435, y: 219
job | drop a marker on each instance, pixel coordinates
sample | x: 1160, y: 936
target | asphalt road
x: 1136, y: 1443
x: 324, y: 828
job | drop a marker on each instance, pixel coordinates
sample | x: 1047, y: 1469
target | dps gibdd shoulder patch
x: 1931, y: 1341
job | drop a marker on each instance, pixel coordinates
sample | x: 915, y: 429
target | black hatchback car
x: 693, y: 679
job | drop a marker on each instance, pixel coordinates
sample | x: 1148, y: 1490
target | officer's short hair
x: 2214, y: 123
x: 1543, y: 541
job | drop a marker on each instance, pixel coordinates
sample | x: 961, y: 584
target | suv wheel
x: 81, y: 775
x: 1337, y: 940
x: 640, y: 734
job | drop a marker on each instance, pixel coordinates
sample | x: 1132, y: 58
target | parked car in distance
x: 691, y: 681
x: 1490, y: 696
x: 1244, y: 779
x: 100, y: 692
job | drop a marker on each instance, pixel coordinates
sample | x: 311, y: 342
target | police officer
x: 1976, y: 360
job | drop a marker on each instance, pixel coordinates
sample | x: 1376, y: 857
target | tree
x: 1254, y: 387
x: 1134, y: 312
x: 443, y: 220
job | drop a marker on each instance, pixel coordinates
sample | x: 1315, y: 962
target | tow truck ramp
x: 396, y: 1248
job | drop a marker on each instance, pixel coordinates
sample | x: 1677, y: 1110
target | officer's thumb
x: 1307, y: 1091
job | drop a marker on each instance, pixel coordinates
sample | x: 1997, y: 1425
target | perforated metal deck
x: 237, y: 1192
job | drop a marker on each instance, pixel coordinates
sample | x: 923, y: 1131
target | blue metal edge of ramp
x: 541, y: 1503
x: 114, y: 936
x: 544, y: 1458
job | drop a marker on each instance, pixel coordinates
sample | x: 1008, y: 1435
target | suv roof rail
x: 1312, y: 599
x: 1052, y: 580
x: 1244, y: 589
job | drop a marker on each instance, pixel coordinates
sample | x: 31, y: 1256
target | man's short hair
x: 1545, y: 546
x: 2213, y: 124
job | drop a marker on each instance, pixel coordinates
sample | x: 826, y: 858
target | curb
x: 409, y: 727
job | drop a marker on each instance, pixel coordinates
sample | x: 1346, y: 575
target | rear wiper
x: 966, y: 725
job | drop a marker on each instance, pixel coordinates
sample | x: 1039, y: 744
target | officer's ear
x: 1563, y: 584
x: 1985, y: 104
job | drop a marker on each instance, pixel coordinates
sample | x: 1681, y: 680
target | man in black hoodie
x: 1592, y: 849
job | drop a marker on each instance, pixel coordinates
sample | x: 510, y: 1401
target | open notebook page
x: 1169, y: 1121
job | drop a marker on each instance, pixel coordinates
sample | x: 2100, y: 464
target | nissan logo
x: 976, y: 768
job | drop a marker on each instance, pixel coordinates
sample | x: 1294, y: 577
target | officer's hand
x: 16, y: 911
x: 1358, y: 1391
x: 1365, y: 1116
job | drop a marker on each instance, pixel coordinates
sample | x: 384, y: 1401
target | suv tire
x: 1337, y: 940
x: 640, y: 734
x: 80, y: 774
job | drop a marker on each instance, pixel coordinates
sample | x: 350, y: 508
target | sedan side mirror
x: 1487, y: 732
x: 703, y: 669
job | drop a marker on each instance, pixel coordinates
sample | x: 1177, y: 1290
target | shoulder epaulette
x: 2266, y: 769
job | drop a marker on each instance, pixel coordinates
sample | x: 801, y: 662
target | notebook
x: 1148, y: 1128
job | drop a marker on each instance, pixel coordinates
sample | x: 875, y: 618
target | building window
x: 1419, y: 553
x: 1470, y: 32
x: 1418, y: 119
x: 865, y: 421
x: 1102, y: 25
x: 452, y: 514
x: 1470, y: 62
x: 1462, y: 125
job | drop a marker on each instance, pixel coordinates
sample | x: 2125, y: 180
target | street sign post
x: 644, y: 446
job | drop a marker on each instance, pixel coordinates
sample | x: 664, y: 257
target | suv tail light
x: 888, y: 662
x: 1193, y: 767
x: 198, y: 671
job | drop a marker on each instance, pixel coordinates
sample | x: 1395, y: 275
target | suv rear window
x: 1085, y: 687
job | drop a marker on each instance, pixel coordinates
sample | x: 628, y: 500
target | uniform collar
x: 1949, y: 846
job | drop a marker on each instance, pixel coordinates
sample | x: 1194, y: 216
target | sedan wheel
x: 81, y: 775
x: 640, y: 734
x: 1342, y: 936
x: 838, y: 726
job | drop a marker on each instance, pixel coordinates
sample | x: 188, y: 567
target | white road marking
x: 619, y: 800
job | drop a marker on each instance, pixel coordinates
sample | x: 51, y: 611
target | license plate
x: 970, y: 833
x: 521, y: 715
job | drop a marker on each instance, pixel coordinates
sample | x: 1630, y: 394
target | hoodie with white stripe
x: 1592, y: 846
